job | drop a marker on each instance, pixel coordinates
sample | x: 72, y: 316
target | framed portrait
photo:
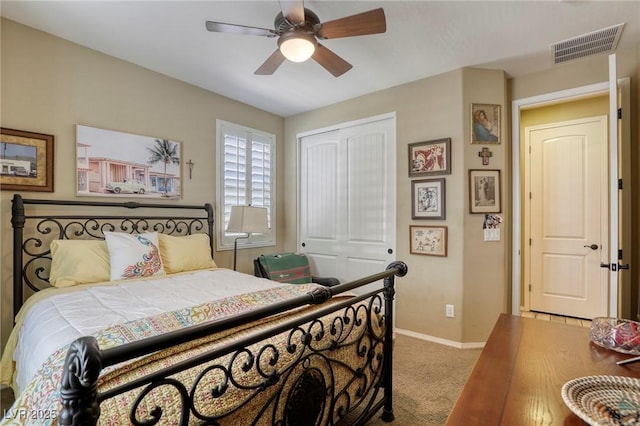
x: 428, y: 240
x: 484, y: 191
x: 430, y: 158
x: 26, y: 161
x: 119, y: 164
x: 485, y: 124
x: 428, y: 199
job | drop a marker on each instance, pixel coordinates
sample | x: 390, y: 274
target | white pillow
x: 134, y: 255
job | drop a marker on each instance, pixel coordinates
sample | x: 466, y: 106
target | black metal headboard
x: 32, y: 233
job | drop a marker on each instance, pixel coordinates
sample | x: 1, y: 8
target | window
x: 245, y: 176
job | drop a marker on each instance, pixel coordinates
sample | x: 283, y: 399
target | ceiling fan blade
x: 220, y: 27
x: 330, y: 61
x: 271, y: 64
x: 293, y: 10
x: 371, y: 22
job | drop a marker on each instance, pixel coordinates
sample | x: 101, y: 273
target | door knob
x: 593, y: 247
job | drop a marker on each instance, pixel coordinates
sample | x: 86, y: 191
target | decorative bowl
x: 604, y: 400
x: 617, y: 334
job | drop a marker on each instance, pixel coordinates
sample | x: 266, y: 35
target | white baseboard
x: 459, y: 345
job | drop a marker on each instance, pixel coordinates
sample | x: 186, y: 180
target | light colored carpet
x: 427, y: 379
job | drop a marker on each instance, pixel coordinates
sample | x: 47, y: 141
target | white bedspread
x: 64, y: 316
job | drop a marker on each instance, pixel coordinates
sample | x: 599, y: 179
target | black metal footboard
x: 297, y: 384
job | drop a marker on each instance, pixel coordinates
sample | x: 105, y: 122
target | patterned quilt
x: 39, y: 403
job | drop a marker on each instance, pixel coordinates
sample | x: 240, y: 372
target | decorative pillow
x: 133, y: 255
x: 187, y: 253
x: 78, y: 262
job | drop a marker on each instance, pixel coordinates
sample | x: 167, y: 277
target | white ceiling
x: 423, y: 38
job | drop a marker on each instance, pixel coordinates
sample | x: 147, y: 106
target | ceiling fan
x: 298, y: 30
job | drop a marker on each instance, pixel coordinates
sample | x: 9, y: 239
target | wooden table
x: 518, y: 377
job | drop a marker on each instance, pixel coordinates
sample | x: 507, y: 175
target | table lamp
x: 246, y: 220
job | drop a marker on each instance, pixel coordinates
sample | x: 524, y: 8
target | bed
x: 131, y: 322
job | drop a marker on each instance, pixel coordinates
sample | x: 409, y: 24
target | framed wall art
x: 26, y: 161
x: 485, y: 124
x: 428, y: 199
x: 430, y: 158
x: 118, y: 164
x: 428, y: 240
x: 484, y: 191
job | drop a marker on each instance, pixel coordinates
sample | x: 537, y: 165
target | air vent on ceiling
x: 600, y: 41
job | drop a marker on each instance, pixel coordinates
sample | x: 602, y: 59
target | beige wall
x: 49, y: 85
x: 430, y: 280
x: 472, y: 276
x: 486, y: 287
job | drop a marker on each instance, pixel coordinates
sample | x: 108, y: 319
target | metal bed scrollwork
x: 31, y: 254
x: 302, y: 380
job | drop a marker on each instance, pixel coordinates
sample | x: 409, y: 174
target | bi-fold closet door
x: 347, y: 202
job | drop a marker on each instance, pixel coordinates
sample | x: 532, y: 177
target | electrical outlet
x: 449, y: 311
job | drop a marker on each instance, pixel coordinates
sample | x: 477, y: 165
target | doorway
x: 620, y: 291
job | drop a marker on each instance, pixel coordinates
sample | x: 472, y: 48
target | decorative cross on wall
x: 485, y: 154
x: 190, y: 164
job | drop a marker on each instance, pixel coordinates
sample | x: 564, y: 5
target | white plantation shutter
x: 235, y: 172
x: 261, y: 171
x: 246, y: 171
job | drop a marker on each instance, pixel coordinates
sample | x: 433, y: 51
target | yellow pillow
x: 186, y: 253
x: 78, y: 262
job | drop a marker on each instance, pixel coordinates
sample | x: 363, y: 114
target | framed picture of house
x: 118, y: 164
x: 428, y: 199
x: 26, y: 161
x: 485, y: 124
x: 428, y: 240
x: 484, y: 191
x: 430, y: 157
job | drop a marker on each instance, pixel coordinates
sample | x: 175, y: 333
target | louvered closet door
x: 347, y: 199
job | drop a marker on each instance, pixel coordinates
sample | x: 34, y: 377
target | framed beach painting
x: 26, y: 161
x: 428, y: 240
x: 484, y: 191
x: 430, y: 157
x: 428, y: 199
x: 118, y: 164
x: 485, y: 124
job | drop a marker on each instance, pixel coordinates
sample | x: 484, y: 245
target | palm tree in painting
x: 166, y: 152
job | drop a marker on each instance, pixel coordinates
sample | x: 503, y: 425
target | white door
x: 568, y: 217
x: 347, y: 199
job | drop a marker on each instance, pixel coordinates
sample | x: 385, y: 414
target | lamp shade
x: 248, y: 220
x: 297, y: 46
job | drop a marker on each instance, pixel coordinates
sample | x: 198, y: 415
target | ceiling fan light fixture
x: 297, y: 46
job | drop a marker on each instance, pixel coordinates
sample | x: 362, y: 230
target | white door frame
x: 614, y: 198
x: 516, y: 106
